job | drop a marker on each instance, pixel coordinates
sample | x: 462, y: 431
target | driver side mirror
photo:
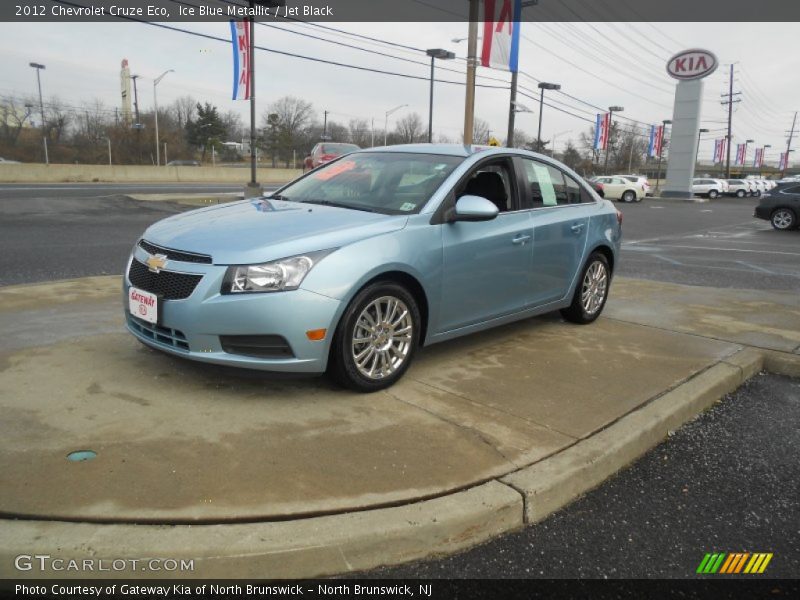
x: 473, y: 208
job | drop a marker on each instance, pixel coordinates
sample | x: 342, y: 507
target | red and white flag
x: 758, y: 160
x: 782, y: 161
x: 240, y: 40
x: 719, y: 150
x: 601, y: 127
x: 741, y: 152
x: 500, y: 48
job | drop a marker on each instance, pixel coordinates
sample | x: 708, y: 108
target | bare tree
x: 184, y: 110
x: 480, y: 131
x: 360, y: 132
x: 13, y: 116
x: 410, y: 129
x: 294, y: 115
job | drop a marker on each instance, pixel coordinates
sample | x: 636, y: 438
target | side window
x: 493, y: 182
x: 574, y: 194
x: 544, y: 185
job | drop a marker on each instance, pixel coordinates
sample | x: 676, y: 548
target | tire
x: 713, y: 194
x: 582, y: 310
x: 628, y: 196
x: 384, y: 356
x: 740, y: 193
x: 783, y: 219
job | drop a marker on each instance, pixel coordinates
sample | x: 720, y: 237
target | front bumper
x: 763, y: 212
x: 191, y: 328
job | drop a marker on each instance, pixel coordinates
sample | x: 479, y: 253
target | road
x: 726, y: 482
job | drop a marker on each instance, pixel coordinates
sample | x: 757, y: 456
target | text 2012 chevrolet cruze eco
x: 352, y: 267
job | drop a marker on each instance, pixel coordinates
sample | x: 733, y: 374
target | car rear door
x: 560, y: 210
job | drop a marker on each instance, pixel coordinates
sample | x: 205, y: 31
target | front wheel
x: 376, y: 338
x: 783, y: 219
x: 591, y: 292
x: 713, y: 194
x: 740, y: 194
x: 629, y: 196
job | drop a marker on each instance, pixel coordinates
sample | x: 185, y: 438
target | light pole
x: 155, y: 104
x: 697, y: 152
x: 664, y: 124
x: 39, y: 68
x: 611, y: 111
x: 386, y: 121
x: 435, y: 53
x: 553, y: 141
x: 744, y: 159
x: 764, y: 156
x: 542, y: 87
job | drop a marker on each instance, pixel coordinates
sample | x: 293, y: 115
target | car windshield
x: 338, y: 148
x: 391, y: 183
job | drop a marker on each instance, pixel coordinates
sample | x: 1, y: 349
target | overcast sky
x: 602, y: 63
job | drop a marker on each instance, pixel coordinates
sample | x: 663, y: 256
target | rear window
x: 338, y: 148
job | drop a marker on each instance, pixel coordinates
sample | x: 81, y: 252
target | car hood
x: 261, y: 229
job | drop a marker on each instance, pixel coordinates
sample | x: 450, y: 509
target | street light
x: 435, y: 53
x: 386, y: 121
x: 697, y: 152
x: 543, y: 86
x: 155, y: 104
x: 611, y: 111
x: 746, y: 144
x: 664, y: 124
x: 39, y: 68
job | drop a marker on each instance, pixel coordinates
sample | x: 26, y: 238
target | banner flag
x: 240, y: 38
x: 601, y: 131
x: 758, y: 160
x: 719, y: 150
x: 782, y: 161
x: 500, y: 48
x: 651, y: 147
x: 741, y: 151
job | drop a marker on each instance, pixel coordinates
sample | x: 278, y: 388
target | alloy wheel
x: 595, y: 285
x: 382, y: 337
x: 782, y: 219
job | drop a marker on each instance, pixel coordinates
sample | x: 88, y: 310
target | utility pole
x: 789, y: 146
x: 325, y: 125
x: 135, y: 100
x: 472, y: 51
x: 730, y: 102
x: 512, y: 109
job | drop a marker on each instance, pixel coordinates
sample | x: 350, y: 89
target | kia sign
x: 692, y: 64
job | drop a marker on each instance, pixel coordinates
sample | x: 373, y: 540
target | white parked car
x: 617, y: 187
x: 739, y: 188
x: 712, y: 188
x: 638, y: 180
x: 4, y: 161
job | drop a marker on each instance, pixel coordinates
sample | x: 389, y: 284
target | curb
x: 335, y: 544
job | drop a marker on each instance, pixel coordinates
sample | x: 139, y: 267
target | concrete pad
x: 553, y: 483
x: 769, y: 320
x: 571, y: 379
x: 302, y: 548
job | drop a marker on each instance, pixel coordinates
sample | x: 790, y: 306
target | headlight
x: 275, y: 276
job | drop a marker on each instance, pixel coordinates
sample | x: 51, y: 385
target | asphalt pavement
x: 725, y: 482
x: 57, y: 191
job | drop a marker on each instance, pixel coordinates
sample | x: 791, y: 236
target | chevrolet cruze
x: 354, y: 266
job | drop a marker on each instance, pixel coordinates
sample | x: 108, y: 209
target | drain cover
x: 80, y: 455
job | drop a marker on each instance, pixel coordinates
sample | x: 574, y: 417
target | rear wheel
x: 628, y: 196
x: 783, y: 219
x: 740, y: 194
x: 376, y: 338
x: 591, y: 292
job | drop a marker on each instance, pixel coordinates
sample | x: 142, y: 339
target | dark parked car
x: 781, y: 206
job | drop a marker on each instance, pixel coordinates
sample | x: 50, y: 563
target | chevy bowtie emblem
x: 156, y: 262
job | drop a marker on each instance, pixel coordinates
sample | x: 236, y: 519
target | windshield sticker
x: 408, y: 206
x: 263, y: 205
x: 545, y: 185
x: 336, y: 169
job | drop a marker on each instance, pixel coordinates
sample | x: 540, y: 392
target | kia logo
x: 692, y: 64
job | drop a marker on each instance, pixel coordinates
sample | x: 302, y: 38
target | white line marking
x: 669, y: 260
x: 736, y: 250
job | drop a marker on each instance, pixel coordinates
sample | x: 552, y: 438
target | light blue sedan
x: 355, y: 265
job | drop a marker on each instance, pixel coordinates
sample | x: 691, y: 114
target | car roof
x: 455, y: 150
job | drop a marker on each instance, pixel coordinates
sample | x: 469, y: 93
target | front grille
x: 175, y: 254
x: 258, y: 346
x: 168, y: 285
x: 162, y: 335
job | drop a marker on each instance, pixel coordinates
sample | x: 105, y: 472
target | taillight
x: 619, y: 217
x: 600, y: 186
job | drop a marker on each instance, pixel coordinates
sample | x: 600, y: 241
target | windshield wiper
x: 340, y: 205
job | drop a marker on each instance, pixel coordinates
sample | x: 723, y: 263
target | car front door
x: 486, y: 265
x: 560, y: 210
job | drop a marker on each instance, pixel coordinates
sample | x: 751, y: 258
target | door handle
x: 520, y: 239
x: 577, y: 227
